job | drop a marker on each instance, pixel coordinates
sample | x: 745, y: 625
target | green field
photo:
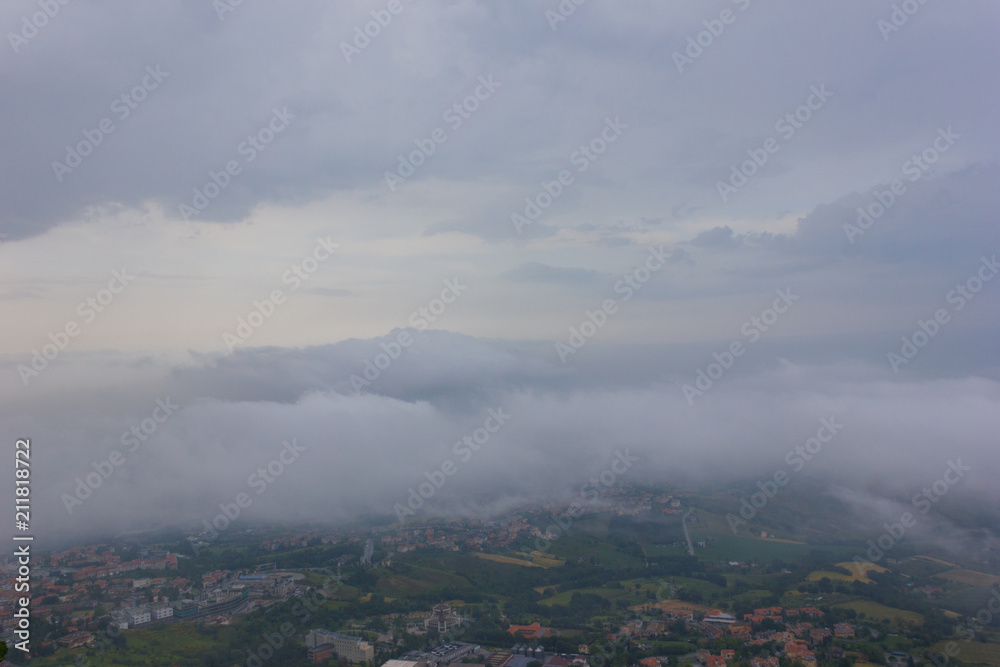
x: 314, y: 579
x: 630, y: 594
x: 573, y: 546
x: 418, y: 579
x: 736, y: 547
x: 883, y: 613
x: 972, y: 652
x: 180, y: 644
x: 606, y: 593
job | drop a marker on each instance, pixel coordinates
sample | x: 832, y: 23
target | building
x: 161, y: 611
x: 811, y: 611
x: 741, y: 630
x: 442, y: 619
x: 137, y: 616
x: 533, y: 631
x: 717, y: 616
x: 800, y: 651
x: 403, y: 663
x: 535, y: 652
x: 444, y: 654
x: 499, y: 659
x: 320, y: 653
x: 843, y: 631
x: 352, y: 649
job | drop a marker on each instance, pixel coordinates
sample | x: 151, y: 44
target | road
x: 687, y: 535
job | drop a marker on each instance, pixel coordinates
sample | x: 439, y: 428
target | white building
x: 161, y: 612
x: 137, y: 616
x: 442, y: 619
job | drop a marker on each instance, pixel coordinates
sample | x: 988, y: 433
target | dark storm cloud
x: 223, y: 79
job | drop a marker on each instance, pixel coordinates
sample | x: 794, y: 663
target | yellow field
x: 546, y: 560
x: 881, y: 612
x: 505, y: 559
x: 854, y: 568
x: 938, y: 561
x: 867, y: 567
x: 543, y: 559
x: 973, y: 652
x: 777, y: 539
x: 970, y: 577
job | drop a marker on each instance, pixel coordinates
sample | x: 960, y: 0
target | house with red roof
x: 533, y: 631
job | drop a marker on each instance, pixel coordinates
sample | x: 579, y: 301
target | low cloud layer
x: 359, y: 454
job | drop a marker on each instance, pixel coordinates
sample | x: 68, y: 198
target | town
x: 645, y: 577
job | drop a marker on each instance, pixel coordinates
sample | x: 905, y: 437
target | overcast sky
x: 240, y: 207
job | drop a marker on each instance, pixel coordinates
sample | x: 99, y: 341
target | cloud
x: 536, y: 272
x: 717, y: 237
x: 685, y: 129
x: 205, y: 99
x: 364, y: 451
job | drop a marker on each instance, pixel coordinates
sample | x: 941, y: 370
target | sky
x: 691, y: 230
